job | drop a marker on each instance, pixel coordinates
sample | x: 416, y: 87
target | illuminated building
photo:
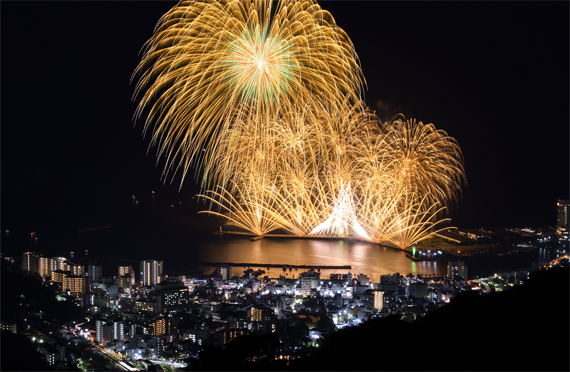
x: 30, y: 262
x: 9, y: 327
x: 124, y: 282
x: 165, y: 325
x: 562, y: 219
x: 225, y: 272
x: 150, y: 272
x: 107, y: 331
x: 308, y: 283
x: 58, y: 275
x: 232, y: 334
x: 255, y: 315
x: 378, y: 300
x: 258, y: 315
x: 128, y: 271
x: 118, y: 331
x: 457, y: 269
x: 46, y: 266
x: 75, y: 284
x: 158, y: 327
x: 146, y: 305
x: 102, y: 332
x: 61, y: 263
x: 171, y: 295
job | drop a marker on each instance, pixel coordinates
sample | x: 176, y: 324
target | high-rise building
x: 30, y: 262
x: 46, y: 266
x: 107, y: 331
x: 124, y: 282
x: 58, y: 275
x: 102, y: 332
x: 158, y: 326
x: 118, y: 331
x: 378, y: 300
x: 128, y: 270
x: 151, y: 272
x: 457, y: 269
x: 95, y: 273
x: 170, y: 295
x: 225, y: 272
x: 562, y: 219
x: 75, y: 284
x: 60, y: 263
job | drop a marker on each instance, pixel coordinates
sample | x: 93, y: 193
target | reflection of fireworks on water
x: 265, y: 100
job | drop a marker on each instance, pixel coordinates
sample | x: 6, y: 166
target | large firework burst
x: 207, y: 59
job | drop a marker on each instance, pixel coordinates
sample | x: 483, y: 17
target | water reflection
x: 369, y: 259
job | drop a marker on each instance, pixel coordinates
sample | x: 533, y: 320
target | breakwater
x: 270, y: 265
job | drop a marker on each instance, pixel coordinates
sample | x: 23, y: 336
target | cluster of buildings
x: 150, y: 314
x: 146, y: 314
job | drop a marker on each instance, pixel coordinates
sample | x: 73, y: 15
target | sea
x: 178, y: 230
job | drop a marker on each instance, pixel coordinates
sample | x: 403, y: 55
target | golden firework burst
x: 206, y: 59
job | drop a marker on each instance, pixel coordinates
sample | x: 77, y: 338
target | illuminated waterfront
x: 369, y: 259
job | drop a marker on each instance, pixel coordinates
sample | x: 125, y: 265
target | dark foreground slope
x: 525, y: 329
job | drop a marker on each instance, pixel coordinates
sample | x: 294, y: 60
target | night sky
x: 493, y: 75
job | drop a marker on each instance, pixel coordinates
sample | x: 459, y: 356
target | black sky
x: 493, y: 75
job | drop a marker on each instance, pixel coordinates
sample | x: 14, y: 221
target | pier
x: 268, y: 265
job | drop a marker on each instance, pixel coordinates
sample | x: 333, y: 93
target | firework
x: 207, y: 59
x: 263, y: 98
x: 428, y: 161
x: 338, y: 172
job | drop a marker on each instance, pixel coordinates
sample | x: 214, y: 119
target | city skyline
x: 76, y: 153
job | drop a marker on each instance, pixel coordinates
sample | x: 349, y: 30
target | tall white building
x: 378, y: 300
x: 150, y: 272
x: 107, y: 331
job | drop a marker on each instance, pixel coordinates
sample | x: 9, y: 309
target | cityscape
x: 285, y: 185
x: 141, y: 318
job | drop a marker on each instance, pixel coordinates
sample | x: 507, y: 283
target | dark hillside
x: 525, y: 328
